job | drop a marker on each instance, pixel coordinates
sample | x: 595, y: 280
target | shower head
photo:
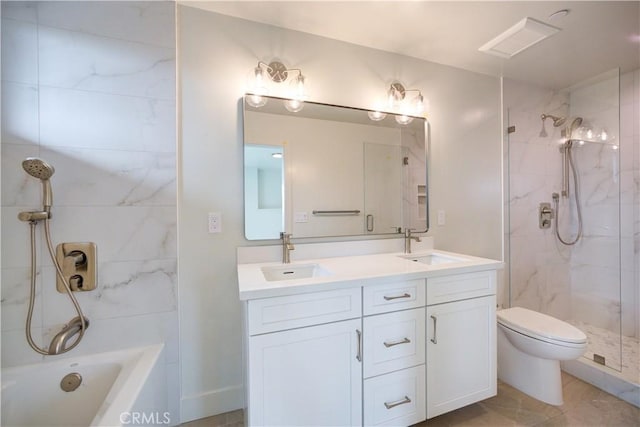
x: 557, y: 121
x: 575, y: 124
x: 37, y: 168
x: 40, y: 169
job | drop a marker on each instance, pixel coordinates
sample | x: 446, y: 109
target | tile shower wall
x: 90, y: 88
x: 539, y: 268
x: 545, y: 276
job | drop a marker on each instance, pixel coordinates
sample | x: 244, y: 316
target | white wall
x: 216, y: 55
x: 90, y: 87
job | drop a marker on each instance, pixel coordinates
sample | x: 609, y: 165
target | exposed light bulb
x: 294, y: 105
x: 403, y: 119
x: 376, y: 116
x: 603, y: 135
x: 256, y: 101
x: 589, y: 134
x: 418, y: 104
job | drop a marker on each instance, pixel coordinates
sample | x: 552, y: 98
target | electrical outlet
x: 442, y: 218
x: 301, y: 217
x: 215, y: 222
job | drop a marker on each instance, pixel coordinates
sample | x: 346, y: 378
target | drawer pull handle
x: 435, y: 330
x: 359, y: 354
x: 391, y: 344
x: 399, y: 402
x: 396, y: 297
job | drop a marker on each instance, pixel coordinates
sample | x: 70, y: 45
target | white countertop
x: 353, y: 271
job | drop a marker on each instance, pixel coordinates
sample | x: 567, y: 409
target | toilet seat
x: 540, y: 326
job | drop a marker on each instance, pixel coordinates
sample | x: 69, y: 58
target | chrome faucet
x: 407, y: 240
x: 59, y: 342
x: 287, y: 247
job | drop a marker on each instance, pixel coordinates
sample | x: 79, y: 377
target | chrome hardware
x: 405, y: 295
x: 435, y: 331
x: 78, y: 262
x: 287, y: 247
x: 545, y: 215
x: 369, y: 223
x: 391, y: 344
x: 359, y: 354
x: 71, y: 381
x: 407, y: 240
x: 398, y: 403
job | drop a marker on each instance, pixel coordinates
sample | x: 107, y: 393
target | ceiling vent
x: 524, y: 34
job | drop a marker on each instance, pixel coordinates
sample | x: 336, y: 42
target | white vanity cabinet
x: 300, y: 373
x: 387, y: 349
x: 461, y: 341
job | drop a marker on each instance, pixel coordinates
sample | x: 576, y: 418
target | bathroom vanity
x: 372, y: 339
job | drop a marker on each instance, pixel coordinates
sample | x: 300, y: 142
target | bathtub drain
x: 70, y: 382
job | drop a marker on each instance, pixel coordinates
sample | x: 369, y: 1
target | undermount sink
x: 293, y: 271
x: 433, y: 259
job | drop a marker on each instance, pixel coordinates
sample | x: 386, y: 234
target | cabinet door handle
x: 359, y: 354
x: 399, y: 402
x: 391, y: 344
x: 435, y: 330
x: 405, y: 295
x: 369, y: 222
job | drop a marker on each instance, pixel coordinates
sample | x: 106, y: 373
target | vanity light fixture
x: 376, y: 116
x: 408, y: 107
x: 276, y: 72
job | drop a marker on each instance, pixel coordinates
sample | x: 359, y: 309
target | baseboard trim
x: 211, y: 403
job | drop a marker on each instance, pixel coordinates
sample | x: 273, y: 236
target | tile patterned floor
x: 612, y: 346
x: 584, y: 406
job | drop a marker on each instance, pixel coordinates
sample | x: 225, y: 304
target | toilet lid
x: 538, y: 325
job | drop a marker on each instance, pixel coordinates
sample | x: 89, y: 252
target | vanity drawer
x: 460, y: 286
x: 393, y: 341
x: 295, y: 311
x: 393, y: 296
x: 396, y: 399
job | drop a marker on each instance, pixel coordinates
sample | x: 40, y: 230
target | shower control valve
x: 78, y: 263
x: 545, y: 215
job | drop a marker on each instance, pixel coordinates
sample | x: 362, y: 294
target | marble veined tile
x: 19, y: 113
x: 20, y: 10
x: 621, y: 353
x: 74, y: 60
x: 81, y: 119
x: 124, y: 289
x: 143, y: 21
x: 126, y: 233
x: 19, y: 52
x: 15, y: 298
x: 112, y: 177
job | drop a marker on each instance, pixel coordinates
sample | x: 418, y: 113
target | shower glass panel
x: 595, y: 261
x: 580, y: 283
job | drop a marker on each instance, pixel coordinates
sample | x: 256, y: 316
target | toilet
x: 530, y: 348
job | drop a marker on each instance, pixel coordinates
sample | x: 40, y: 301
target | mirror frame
x: 246, y: 106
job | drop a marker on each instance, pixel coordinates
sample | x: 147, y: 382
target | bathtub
x: 118, y: 388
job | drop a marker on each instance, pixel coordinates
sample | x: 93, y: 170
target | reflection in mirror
x: 340, y: 173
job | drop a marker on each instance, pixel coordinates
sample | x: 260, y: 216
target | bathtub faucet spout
x: 59, y: 342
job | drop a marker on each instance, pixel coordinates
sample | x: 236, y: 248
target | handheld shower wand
x: 41, y: 170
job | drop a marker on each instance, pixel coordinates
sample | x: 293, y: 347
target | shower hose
x: 577, y: 199
x: 32, y: 295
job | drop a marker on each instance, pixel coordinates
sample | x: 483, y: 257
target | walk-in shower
x: 41, y: 170
x: 580, y: 267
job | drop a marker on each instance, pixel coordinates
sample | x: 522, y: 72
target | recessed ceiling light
x: 559, y: 14
x: 519, y: 37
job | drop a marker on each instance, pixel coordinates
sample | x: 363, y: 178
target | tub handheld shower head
x: 40, y: 169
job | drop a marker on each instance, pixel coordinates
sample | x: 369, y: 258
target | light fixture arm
x: 277, y: 71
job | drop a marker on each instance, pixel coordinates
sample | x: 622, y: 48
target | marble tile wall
x: 90, y: 88
x: 596, y: 279
x: 539, y: 267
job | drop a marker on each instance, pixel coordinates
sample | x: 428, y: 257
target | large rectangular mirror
x: 328, y: 170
